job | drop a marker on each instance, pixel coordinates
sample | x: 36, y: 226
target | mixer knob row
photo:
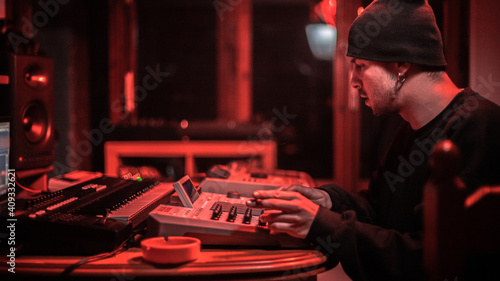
x: 217, y: 212
x: 232, y: 214
x: 247, y: 218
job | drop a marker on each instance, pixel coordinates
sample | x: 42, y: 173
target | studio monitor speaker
x: 31, y: 102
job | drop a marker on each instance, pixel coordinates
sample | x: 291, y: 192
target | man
x: 398, y: 67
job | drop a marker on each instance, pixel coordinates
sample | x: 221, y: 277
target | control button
x: 259, y: 175
x: 233, y: 195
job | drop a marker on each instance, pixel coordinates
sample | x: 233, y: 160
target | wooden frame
x: 115, y: 150
x: 234, y: 61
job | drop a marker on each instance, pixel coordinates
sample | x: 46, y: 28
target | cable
x: 123, y: 247
x: 26, y: 188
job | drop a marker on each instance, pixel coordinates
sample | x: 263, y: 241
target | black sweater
x: 378, y: 232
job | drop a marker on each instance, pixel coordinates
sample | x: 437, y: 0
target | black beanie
x: 397, y: 31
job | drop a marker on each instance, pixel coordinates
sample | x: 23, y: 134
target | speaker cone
x: 35, y: 123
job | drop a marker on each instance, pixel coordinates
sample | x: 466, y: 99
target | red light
x: 36, y: 80
x: 184, y: 124
x: 360, y: 10
x: 327, y: 11
x: 40, y: 79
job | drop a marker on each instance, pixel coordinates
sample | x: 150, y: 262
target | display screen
x: 4, y: 155
x: 190, y: 190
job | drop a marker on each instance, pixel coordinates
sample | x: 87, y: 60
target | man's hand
x: 290, y: 212
x: 318, y: 196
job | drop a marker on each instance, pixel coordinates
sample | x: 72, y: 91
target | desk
x: 213, y: 264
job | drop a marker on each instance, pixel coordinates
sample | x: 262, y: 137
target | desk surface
x: 213, y: 264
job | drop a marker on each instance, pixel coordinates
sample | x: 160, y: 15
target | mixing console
x: 227, y: 178
x: 216, y: 219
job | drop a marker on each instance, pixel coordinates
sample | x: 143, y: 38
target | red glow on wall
x: 327, y: 10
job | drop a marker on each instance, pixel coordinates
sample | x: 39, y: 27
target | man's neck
x: 424, y: 98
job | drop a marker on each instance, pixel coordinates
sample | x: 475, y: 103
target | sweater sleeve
x: 343, y: 201
x: 366, y: 251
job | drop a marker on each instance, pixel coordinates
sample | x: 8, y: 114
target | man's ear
x: 403, y: 68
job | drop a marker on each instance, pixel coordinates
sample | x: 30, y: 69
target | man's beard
x: 384, y: 107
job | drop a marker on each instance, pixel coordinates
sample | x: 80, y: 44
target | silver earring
x: 401, y: 78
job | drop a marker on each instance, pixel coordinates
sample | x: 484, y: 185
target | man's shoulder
x: 473, y: 100
x: 475, y: 107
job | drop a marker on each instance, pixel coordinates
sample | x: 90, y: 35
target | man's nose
x: 355, y: 82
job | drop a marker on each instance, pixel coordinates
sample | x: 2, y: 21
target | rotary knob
x: 233, y: 195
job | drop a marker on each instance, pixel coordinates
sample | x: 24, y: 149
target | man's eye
x: 356, y: 65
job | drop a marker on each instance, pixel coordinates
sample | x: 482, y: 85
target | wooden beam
x: 456, y: 40
x: 234, y: 61
x: 122, y: 60
x: 346, y: 113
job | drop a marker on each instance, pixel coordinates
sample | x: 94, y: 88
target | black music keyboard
x: 88, y: 218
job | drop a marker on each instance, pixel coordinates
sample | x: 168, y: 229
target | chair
x: 461, y: 232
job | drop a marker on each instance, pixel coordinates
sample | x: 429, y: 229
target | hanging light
x: 322, y: 34
x: 322, y: 39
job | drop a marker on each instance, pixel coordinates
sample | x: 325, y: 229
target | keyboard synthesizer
x: 88, y: 218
